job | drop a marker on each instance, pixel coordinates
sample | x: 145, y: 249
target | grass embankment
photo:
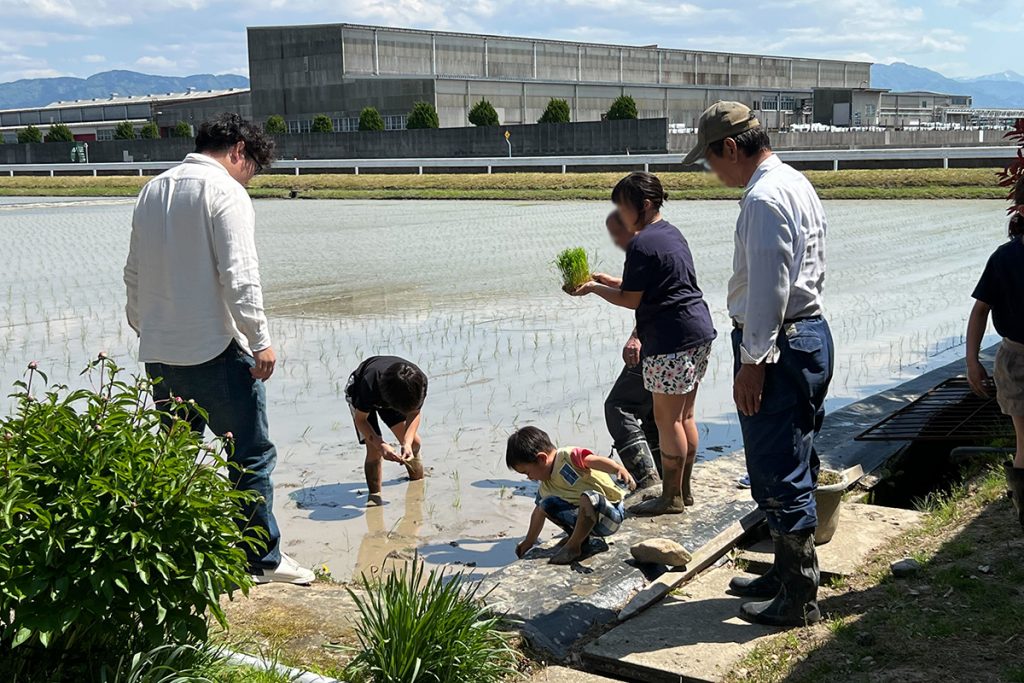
x: 961, y: 618
x: 850, y: 184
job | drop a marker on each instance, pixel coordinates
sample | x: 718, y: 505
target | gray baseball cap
x: 720, y: 121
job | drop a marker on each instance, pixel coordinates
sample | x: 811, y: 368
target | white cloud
x: 94, y: 59
x: 156, y: 62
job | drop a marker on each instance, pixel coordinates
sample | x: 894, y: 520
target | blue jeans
x: 236, y: 403
x: 779, y: 440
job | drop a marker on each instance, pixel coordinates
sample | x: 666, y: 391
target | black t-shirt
x: 363, y: 390
x: 672, y: 315
x: 1002, y: 288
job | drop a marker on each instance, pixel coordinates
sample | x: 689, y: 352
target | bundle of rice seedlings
x: 575, y: 268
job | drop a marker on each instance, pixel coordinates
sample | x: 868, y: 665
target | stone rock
x: 865, y: 638
x: 660, y: 551
x: 905, y: 567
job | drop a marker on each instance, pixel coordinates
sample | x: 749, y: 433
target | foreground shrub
x: 430, y: 629
x: 322, y: 124
x: 59, y: 132
x: 124, y: 131
x: 29, y: 134
x: 117, y: 535
x: 181, y: 130
x: 275, y: 125
x: 150, y: 131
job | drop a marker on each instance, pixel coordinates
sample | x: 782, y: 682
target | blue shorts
x: 565, y: 514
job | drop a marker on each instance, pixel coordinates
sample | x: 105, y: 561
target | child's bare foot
x: 414, y: 466
x: 567, y: 555
x: 374, y: 500
x: 662, y: 505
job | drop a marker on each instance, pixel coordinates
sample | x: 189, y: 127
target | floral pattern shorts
x: 676, y: 374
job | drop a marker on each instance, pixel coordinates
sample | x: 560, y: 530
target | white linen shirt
x: 192, y: 274
x: 779, y: 259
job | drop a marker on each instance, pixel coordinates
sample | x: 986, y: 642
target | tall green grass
x: 574, y: 266
x: 427, y: 628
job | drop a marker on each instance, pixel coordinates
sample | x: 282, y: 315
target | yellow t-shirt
x: 570, y: 478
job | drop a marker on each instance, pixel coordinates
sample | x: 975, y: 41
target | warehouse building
x: 95, y: 118
x: 338, y: 69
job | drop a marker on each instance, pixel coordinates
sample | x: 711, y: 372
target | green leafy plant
x: 423, y: 115
x: 59, y: 132
x: 623, y: 109
x: 124, y: 131
x: 118, y: 531
x: 557, y: 111
x: 322, y: 124
x: 150, y: 131
x: 370, y: 119
x: 275, y: 125
x: 483, y: 114
x: 431, y: 628
x: 574, y: 266
x: 181, y: 130
x: 29, y: 134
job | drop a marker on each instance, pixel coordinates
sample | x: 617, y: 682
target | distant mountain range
x: 1003, y: 90
x: 36, y: 92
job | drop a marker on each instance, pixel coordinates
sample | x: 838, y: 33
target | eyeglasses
x: 257, y: 165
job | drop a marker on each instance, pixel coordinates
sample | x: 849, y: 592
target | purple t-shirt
x: 672, y: 315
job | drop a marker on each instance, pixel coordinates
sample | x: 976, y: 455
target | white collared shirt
x: 779, y: 261
x: 192, y: 275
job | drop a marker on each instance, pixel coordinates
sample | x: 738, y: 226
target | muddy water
x: 467, y: 290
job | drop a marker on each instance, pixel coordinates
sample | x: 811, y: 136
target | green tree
x: 29, y: 134
x: 124, y: 131
x: 423, y: 115
x: 556, y: 112
x: 622, y: 109
x: 370, y: 119
x: 59, y: 132
x: 275, y: 125
x: 483, y: 114
x: 150, y: 131
x: 181, y: 130
x: 322, y: 124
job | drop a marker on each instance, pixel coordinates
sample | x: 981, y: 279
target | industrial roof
x: 114, y: 98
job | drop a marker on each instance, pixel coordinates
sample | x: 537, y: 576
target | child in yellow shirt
x: 577, y: 491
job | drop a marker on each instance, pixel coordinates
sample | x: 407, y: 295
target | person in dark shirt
x: 1000, y: 292
x: 672, y: 321
x: 393, y: 390
x: 629, y: 407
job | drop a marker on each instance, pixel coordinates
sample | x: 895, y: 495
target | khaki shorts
x: 1009, y: 377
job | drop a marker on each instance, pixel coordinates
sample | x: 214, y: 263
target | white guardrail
x: 556, y: 164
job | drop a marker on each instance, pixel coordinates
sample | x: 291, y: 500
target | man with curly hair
x: 195, y: 300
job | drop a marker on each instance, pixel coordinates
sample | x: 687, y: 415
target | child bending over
x: 393, y: 389
x: 576, y: 491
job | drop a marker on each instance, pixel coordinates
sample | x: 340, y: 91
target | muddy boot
x: 796, y: 603
x: 687, y: 472
x: 764, y: 587
x: 636, y: 457
x: 1015, y: 492
x: 670, y: 502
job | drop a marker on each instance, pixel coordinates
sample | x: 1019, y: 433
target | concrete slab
x: 695, y: 634
x: 555, y: 607
x: 862, y: 529
x: 558, y: 674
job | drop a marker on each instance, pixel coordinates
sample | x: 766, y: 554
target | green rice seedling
x: 574, y: 266
x: 431, y: 627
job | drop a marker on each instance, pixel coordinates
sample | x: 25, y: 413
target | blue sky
x: 178, y: 37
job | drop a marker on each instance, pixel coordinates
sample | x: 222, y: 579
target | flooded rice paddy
x: 468, y: 291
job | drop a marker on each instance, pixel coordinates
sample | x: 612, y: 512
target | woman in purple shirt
x: 674, y: 326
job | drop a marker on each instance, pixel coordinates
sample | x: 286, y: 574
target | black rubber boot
x: 636, y: 457
x: 796, y: 603
x: 1015, y: 484
x: 687, y: 474
x: 764, y: 587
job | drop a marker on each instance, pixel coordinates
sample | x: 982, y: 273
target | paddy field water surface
x: 468, y: 290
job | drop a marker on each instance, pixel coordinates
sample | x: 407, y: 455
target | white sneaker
x: 744, y: 481
x: 289, y: 571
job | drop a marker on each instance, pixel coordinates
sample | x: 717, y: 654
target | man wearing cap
x: 783, y: 350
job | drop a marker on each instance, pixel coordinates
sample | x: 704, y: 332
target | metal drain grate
x: 950, y: 411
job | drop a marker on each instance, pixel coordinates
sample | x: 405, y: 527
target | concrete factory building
x: 338, y: 69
